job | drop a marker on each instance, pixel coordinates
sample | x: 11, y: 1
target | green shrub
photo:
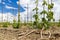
x: 30, y: 24
x: 34, y: 24
x: 5, y: 24
x: 25, y: 23
x: 59, y: 23
x: 39, y: 26
x: 15, y: 25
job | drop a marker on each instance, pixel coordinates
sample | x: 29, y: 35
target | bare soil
x: 28, y: 34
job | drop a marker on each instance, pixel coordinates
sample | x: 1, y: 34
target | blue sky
x: 10, y: 6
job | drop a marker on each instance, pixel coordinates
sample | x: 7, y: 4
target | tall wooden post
x: 27, y: 13
x: 2, y: 10
x: 19, y: 14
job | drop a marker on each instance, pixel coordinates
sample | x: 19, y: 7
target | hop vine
x: 35, y: 16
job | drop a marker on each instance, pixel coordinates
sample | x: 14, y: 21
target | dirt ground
x: 28, y: 34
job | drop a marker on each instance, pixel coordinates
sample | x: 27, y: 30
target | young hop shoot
x: 49, y: 13
x: 35, y: 16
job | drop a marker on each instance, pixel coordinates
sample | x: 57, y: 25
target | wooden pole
x: 2, y: 10
x: 19, y: 14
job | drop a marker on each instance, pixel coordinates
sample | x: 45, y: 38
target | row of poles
x: 26, y: 19
x: 3, y: 10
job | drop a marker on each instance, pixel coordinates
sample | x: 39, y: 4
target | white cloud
x: 6, y: 16
x: 3, y: 2
x: 9, y: 1
x: 24, y: 1
x: 56, y: 9
x: 9, y: 7
x: 0, y: 1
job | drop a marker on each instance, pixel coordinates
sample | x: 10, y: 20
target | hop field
x: 41, y: 26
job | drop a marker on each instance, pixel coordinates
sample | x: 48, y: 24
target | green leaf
x: 44, y: 12
x: 33, y: 10
x: 44, y: 3
x: 50, y: 6
x: 36, y: 1
x: 35, y: 16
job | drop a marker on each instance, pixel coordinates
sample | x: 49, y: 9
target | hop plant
x: 44, y: 3
x: 43, y: 12
x: 50, y: 6
x: 15, y: 25
x: 50, y: 15
x: 35, y: 16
